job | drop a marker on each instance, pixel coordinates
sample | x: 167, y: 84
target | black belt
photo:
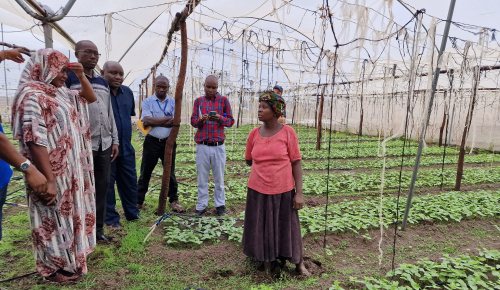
x: 208, y: 143
x: 156, y: 139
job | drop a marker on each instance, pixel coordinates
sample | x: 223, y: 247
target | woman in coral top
x: 272, y: 227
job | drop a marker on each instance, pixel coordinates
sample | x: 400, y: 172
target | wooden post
x: 320, y: 118
x: 240, y: 105
x: 446, y: 110
x: 468, y: 121
x: 140, y: 100
x: 316, y: 111
x: 154, y: 77
x: 361, y: 111
x: 178, y: 23
x: 294, y: 109
x: 443, y: 122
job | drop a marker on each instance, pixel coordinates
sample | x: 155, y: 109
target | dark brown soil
x: 346, y: 254
x: 356, y: 255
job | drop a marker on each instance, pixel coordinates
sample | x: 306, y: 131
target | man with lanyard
x: 123, y: 168
x: 105, y: 144
x: 211, y: 113
x: 157, y: 113
x: 10, y: 155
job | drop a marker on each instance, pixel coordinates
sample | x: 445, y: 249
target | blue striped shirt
x: 102, y: 121
x: 154, y: 107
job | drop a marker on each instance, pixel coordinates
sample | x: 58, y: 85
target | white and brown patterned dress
x: 56, y: 118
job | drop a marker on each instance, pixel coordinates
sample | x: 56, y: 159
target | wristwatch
x: 25, y: 165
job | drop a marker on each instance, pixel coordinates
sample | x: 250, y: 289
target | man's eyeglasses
x: 90, y: 52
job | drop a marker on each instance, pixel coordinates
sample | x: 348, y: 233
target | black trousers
x: 102, y: 170
x: 124, y: 174
x: 154, y: 149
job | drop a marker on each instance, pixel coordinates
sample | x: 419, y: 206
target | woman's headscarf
x: 275, y: 101
x: 43, y: 67
x: 36, y: 78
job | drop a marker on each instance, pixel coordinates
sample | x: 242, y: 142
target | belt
x: 156, y: 139
x: 208, y: 143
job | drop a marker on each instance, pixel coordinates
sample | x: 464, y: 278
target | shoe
x: 176, y: 207
x: 115, y: 226
x: 102, y: 239
x: 200, y: 212
x: 133, y: 219
x: 220, y: 210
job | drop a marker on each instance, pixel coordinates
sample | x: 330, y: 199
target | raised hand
x: 13, y: 54
x: 77, y: 68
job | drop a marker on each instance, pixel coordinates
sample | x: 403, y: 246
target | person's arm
x: 132, y: 111
x: 295, y: 158
x: 227, y: 119
x: 298, y: 200
x: 115, y: 147
x: 40, y: 157
x: 13, y: 54
x: 34, y: 178
x: 157, y: 122
x: 86, y: 92
x: 197, y: 121
x: 249, y: 147
x: 149, y: 121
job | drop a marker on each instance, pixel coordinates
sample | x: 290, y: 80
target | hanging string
x: 447, y: 122
x: 335, y: 57
x: 108, y: 26
x: 411, y: 87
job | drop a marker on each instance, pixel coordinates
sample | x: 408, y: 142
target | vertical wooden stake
x: 169, y: 146
x: 320, y: 118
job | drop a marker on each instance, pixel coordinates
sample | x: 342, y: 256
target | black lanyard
x: 164, y: 107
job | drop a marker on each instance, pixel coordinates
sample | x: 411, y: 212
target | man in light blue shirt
x: 157, y: 113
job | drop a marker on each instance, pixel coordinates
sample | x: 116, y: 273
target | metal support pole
x: 47, y: 17
x: 47, y: 34
x: 428, y: 115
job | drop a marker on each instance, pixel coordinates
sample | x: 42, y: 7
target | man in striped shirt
x: 211, y: 113
x: 102, y: 128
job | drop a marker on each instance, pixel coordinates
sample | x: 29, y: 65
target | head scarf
x: 275, y: 101
x: 42, y: 68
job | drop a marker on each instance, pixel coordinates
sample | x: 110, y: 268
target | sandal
x: 60, y: 278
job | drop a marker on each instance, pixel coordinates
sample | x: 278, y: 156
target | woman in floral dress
x: 51, y: 123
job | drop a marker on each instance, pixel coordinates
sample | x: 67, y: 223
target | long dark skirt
x: 272, y: 227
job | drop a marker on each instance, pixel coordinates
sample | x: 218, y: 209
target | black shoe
x: 220, y: 210
x: 115, y: 226
x: 102, y: 239
x: 200, y: 212
x: 136, y: 218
